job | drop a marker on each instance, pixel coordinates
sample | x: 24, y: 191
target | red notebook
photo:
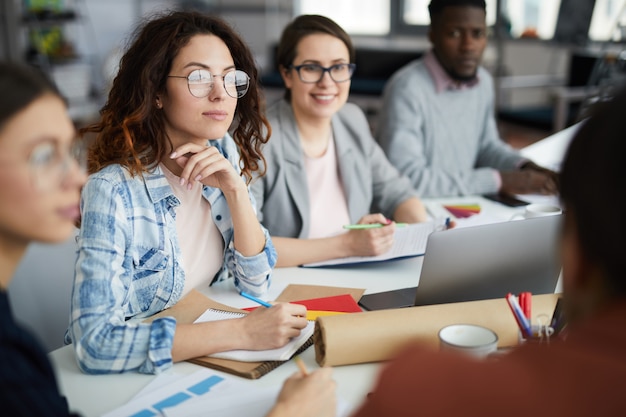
x: 336, y: 304
x: 341, y: 303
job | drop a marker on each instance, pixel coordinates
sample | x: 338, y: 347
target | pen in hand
x: 301, y: 365
x: 253, y: 298
x: 369, y: 226
x: 257, y: 300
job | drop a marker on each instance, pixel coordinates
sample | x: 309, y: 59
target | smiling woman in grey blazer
x: 324, y: 169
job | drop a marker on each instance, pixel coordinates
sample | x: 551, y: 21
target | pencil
x: 301, y: 365
x: 369, y: 226
x: 256, y: 300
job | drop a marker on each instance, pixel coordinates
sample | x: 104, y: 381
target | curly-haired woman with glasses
x: 324, y: 169
x: 166, y: 208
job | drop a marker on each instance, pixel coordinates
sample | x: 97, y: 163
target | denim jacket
x: 129, y: 267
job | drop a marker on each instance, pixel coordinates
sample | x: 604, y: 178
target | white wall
x: 40, y: 291
x: 105, y: 26
x: 529, y: 57
x: 260, y: 22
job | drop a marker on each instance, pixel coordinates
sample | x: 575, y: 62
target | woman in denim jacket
x: 167, y: 208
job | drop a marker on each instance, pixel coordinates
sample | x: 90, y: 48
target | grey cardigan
x: 447, y: 143
x: 370, y: 182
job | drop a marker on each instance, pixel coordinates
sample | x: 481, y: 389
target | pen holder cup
x: 540, y: 334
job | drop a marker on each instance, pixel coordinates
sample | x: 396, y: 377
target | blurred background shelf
x: 45, y: 34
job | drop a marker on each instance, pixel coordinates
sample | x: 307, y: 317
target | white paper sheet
x: 408, y: 241
x: 204, y: 383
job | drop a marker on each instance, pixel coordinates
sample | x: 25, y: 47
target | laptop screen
x: 482, y: 262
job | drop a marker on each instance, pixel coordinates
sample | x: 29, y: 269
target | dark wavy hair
x: 21, y: 84
x: 131, y: 130
x: 591, y: 178
x: 300, y: 27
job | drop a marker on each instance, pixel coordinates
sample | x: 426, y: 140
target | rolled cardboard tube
x: 375, y: 336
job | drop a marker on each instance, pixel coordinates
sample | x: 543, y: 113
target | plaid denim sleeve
x: 104, y: 341
x: 251, y: 274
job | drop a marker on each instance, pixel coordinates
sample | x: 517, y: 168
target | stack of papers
x: 408, y: 241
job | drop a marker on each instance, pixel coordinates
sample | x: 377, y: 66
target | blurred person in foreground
x: 41, y: 174
x: 579, y: 373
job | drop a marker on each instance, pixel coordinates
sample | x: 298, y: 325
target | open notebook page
x: 281, y: 354
x: 407, y: 241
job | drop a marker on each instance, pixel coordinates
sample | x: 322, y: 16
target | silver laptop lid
x: 489, y: 261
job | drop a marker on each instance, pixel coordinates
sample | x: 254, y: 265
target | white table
x: 93, y: 395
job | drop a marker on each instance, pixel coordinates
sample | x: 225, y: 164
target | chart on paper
x: 201, y: 384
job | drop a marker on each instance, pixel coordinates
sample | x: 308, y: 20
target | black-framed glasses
x: 313, y: 73
x: 201, y: 81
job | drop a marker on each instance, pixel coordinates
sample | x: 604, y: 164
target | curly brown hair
x: 131, y: 130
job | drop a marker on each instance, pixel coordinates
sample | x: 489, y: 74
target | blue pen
x: 256, y: 300
x: 439, y: 225
x: 523, y: 321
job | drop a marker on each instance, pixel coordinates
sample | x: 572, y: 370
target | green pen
x: 370, y: 226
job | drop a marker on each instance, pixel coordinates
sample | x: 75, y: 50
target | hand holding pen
x: 371, y: 236
x: 373, y: 221
x: 446, y: 224
x: 367, y: 226
x: 273, y: 325
x: 307, y: 393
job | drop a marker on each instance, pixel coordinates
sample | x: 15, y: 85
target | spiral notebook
x: 195, y: 304
x: 281, y: 354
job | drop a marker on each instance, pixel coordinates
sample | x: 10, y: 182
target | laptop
x: 482, y: 262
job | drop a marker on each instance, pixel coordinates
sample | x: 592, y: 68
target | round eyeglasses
x: 49, y: 162
x: 201, y: 81
x: 313, y: 73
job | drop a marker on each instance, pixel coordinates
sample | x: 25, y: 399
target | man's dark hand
x: 529, y: 181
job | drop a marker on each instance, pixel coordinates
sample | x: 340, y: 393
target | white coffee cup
x: 470, y: 339
x: 537, y: 210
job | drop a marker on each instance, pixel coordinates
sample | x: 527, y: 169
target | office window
x: 415, y: 12
x: 357, y: 17
x: 607, y: 18
x: 531, y: 18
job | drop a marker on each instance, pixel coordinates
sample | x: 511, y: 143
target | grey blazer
x: 370, y: 182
